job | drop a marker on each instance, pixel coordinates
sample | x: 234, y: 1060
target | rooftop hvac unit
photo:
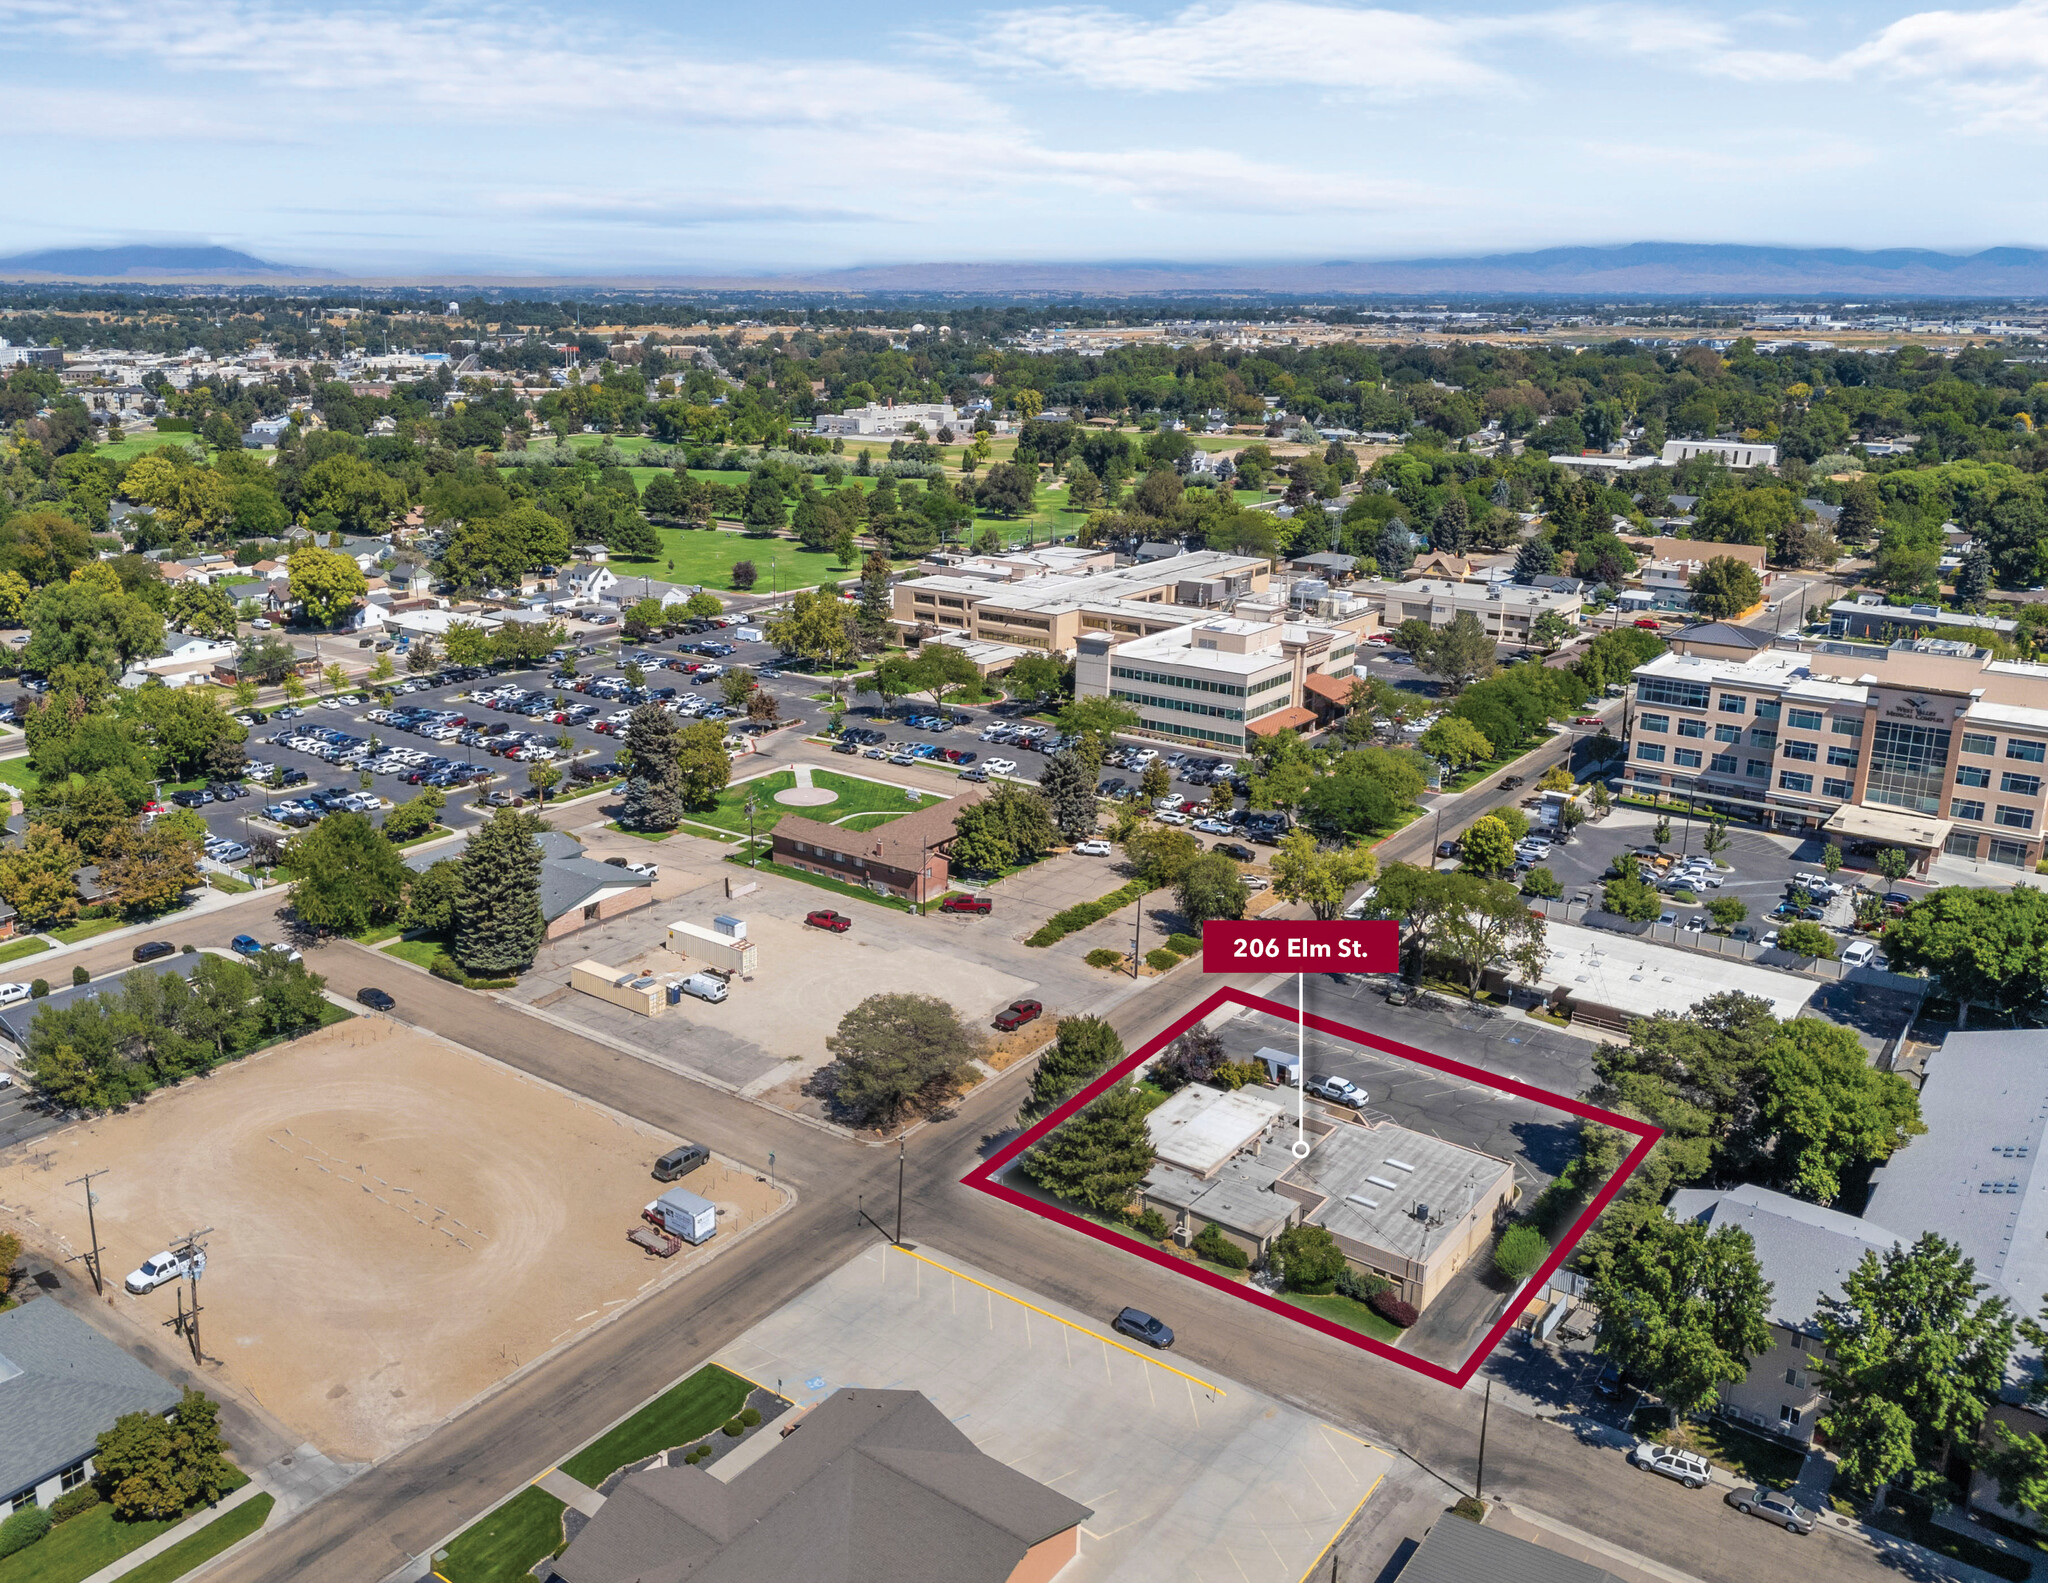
x: 1309, y: 590
x: 1422, y: 1211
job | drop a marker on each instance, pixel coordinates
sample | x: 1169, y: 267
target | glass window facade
x: 1686, y: 758
x: 1650, y: 752
x: 2021, y: 748
x: 1977, y: 742
x: 2011, y: 853
x: 1803, y: 719
x: 2020, y: 785
x: 1666, y: 690
x: 1767, y: 709
x: 1962, y: 843
x: 1843, y: 727
x: 1757, y: 769
x: 1692, y: 728
x: 1795, y: 783
x: 1654, y: 722
x: 1722, y: 764
x: 1805, y: 752
x: 1965, y: 808
x: 1762, y: 739
x: 2015, y: 818
x: 1734, y: 704
x: 1727, y: 733
x: 1972, y: 775
x: 1843, y: 790
x: 1842, y: 758
x: 1908, y: 767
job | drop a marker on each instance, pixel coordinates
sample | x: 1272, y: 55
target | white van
x: 751, y: 635
x: 705, y: 987
x: 1858, y: 953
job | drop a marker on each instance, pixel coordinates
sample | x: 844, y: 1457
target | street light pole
x: 93, y: 1262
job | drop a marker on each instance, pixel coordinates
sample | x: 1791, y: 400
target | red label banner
x: 1305, y: 945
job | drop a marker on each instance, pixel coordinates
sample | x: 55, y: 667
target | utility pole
x: 92, y: 1259
x: 753, y: 852
x: 1137, y: 934
x: 1485, y: 1412
x: 901, y: 1149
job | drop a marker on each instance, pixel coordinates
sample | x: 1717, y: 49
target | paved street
x: 400, y: 1508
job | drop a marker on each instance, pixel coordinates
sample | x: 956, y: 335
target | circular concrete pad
x: 806, y: 796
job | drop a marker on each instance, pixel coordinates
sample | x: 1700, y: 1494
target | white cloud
x: 1245, y: 44
x: 1987, y: 68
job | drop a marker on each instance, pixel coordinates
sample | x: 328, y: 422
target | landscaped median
x: 1066, y: 922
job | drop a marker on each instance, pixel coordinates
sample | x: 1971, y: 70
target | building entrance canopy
x: 1888, y: 827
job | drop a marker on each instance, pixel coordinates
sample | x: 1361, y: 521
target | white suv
x: 1688, y: 1467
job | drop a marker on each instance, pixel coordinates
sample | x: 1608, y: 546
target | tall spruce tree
x: 654, y: 787
x: 498, y: 928
x: 1070, y: 788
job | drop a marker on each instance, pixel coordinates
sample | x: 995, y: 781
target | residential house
x: 62, y: 1384
x: 868, y: 1484
x: 575, y: 890
x: 1805, y: 1251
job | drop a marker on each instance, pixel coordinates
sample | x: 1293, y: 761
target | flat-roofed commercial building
x: 1730, y: 453
x: 1002, y: 599
x: 1506, y: 611
x: 1928, y: 745
x: 1218, y: 681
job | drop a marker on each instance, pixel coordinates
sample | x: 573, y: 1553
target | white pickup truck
x: 163, y: 1267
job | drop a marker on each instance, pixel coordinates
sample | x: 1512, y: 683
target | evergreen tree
x: 1537, y: 557
x: 1070, y: 788
x: 1085, y: 1048
x: 1973, y: 576
x: 876, y: 604
x: 1099, y: 1156
x: 654, y: 792
x: 1453, y: 526
x: 498, y: 929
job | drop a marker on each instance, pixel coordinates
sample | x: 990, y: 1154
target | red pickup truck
x: 1017, y: 1013
x: 826, y: 918
x: 967, y: 904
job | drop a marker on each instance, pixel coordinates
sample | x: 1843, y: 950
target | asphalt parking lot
x: 1188, y: 1477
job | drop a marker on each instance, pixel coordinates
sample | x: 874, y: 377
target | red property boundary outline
x: 983, y: 1177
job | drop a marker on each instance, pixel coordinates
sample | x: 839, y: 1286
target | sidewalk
x: 185, y: 1530
x: 1563, y: 1539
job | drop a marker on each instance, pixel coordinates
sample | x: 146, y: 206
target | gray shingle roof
x: 869, y: 1485
x: 1723, y: 635
x: 61, y: 1383
x: 1805, y: 1251
x: 1458, y: 1551
x: 1976, y: 1177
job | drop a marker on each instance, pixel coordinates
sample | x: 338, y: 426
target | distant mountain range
x: 1639, y: 269
x: 149, y: 263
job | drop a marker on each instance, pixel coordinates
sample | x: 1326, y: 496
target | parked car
x: 1510, y: 782
x: 680, y: 1161
x: 375, y: 999
x: 826, y: 918
x: 1235, y: 851
x: 1016, y: 1014
x: 1141, y: 1326
x: 644, y: 870
x: 1688, y: 1467
x: 151, y: 950
x: 1772, y: 1507
x: 14, y: 994
x: 246, y: 945
x: 1092, y: 848
x: 1338, y: 1091
x: 967, y: 904
x: 1447, y: 849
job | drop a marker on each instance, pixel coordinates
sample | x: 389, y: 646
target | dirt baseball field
x: 397, y: 1224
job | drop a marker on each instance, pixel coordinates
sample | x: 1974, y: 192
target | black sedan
x: 375, y: 999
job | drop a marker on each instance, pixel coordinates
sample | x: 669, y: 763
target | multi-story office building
x: 1506, y: 610
x: 1928, y: 745
x: 1046, y: 600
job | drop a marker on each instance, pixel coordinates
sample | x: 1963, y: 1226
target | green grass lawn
x: 502, y: 1547
x: 420, y: 953
x: 684, y: 1413
x: 1346, y: 1311
x: 89, y: 1541
x: 855, y: 796
x: 210, y: 1541
x: 707, y: 556
x: 86, y: 928
x: 127, y: 450
x: 1745, y: 1455
x: 15, y: 950
x: 18, y: 774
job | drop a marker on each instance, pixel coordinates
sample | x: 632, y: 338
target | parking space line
x: 1349, y: 1518
x: 1213, y: 1390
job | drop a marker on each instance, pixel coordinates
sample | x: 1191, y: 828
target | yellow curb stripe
x: 1214, y: 1390
x: 1352, y: 1517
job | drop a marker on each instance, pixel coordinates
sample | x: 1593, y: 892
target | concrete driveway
x: 1191, y: 1478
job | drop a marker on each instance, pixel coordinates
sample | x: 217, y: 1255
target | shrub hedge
x: 72, y: 1502
x: 1061, y: 924
x: 1103, y: 956
x: 1392, y: 1309
x: 1161, y: 959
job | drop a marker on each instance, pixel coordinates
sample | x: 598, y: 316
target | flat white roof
x: 1201, y: 1128
x: 2007, y: 715
x: 1765, y: 668
x: 1620, y: 970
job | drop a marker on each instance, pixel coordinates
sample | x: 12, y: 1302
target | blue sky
x: 687, y: 138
